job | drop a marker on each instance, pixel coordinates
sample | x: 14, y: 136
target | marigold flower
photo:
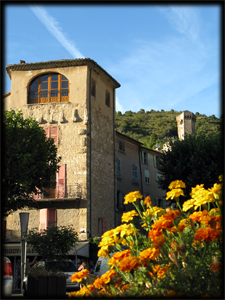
x: 197, y: 215
x: 183, y: 224
x: 132, y: 197
x: 188, y: 204
x: 221, y: 178
x: 149, y: 254
x: 177, y: 184
x: 104, y: 279
x: 175, y: 193
x: 118, y: 256
x: 214, y: 211
x: 215, y: 265
x: 128, y: 216
x: 216, y: 190
x: 128, y: 263
x: 78, y: 277
x: 207, y: 234
x: 159, y: 240
x: 147, y: 201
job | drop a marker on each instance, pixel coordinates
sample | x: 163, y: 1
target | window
x: 47, y: 218
x: 52, y: 132
x: 158, y: 176
x: 156, y: 161
x: 107, y: 98
x: 120, y: 201
x: 93, y: 88
x: 146, y: 158
x: 134, y: 173
x: 101, y: 225
x: 118, y: 168
x: 147, y: 177
x: 57, y: 191
x: 48, y: 88
x: 122, y: 145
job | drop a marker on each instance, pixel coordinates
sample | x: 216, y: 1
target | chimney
x: 22, y: 61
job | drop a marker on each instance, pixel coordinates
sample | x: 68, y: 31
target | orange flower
x: 128, y: 263
x: 148, y: 254
x: 78, y: 277
x: 147, y: 201
x: 173, y: 244
x: 208, y: 234
x: 159, y: 240
x: 104, y: 279
x: 196, y: 216
x: 118, y: 256
x: 183, y: 223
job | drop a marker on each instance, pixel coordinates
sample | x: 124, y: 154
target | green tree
x: 194, y: 160
x: 29, y: 161
x: 53, y: 243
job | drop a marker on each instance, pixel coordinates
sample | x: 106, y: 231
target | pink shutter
x: 103, y: 225
x: 54, y: 134
x: 47, y: 131
x: 43, y: 219
x: 61, y: 181
x: 38, y: 195
x: 51, y: 217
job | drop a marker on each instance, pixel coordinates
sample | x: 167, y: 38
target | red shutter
x: 51, y: 217
x: 54, y: 134
x: 43, y: 219
x: 103, y: 225
x: 61, y: 181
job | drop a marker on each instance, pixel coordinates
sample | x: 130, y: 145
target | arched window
x: 48, y: 88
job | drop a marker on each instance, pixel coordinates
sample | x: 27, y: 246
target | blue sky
x: 164, y: 56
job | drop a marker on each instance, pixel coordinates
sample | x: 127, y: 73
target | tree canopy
x: 194, y: 160
x: 29, y: 161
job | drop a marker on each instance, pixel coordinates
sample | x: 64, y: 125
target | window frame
x: 107, y: 98
x: 49, y: 99
x: 121, y: 145
x: 134, y: 173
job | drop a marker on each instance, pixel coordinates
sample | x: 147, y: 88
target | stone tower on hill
x: 185, y: 124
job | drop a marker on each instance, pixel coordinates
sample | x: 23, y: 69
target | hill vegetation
x: 156, y: 127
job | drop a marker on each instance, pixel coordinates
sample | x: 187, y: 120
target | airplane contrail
x: 52, y: 26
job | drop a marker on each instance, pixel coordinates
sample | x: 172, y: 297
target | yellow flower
x: 157, y: 210
x: 132, y: 197
x: 188, y: 204
x: 221, y: 178
x: 184, y: 223
x: 216, y: 191
x: 177, y: 184
x: 175, y: 193
x: 128, y: 216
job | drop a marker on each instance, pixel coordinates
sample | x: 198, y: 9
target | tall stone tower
x: 185, y: 124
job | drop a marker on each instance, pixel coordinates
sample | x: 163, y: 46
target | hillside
x: 156, y: 127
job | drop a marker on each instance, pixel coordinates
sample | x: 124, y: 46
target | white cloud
x: 53, y: 27
x: 119, y: 106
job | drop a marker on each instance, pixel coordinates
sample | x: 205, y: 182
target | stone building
x: 74, y: 101
x: 185, y: 124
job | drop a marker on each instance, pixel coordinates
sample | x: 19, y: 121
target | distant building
x: 185, y: 124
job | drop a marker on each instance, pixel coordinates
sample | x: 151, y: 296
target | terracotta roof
x: 60, y: 63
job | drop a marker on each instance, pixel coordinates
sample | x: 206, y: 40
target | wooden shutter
x: 148, y: 158
x: 103, y: 225
x: 54, y: 134
x: 47, y: 132
x: 61, y: 181
x: 43, y: 219
x: 51, y: 217
x: 143, y: 157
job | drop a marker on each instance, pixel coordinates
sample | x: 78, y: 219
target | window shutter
x: 155, y: 161
x: 54, y: 134
x: 118, y: 168
x: 143, y: 157
x: 148, y: 158
x: 43, y: 219
x: 51, y: 217
x: 103, y: 225
x: 61, y: 181
x: 47, y: 132
x: 37, y: 196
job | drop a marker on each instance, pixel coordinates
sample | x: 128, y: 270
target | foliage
x: 30, y: 161
x: 194, y: 160
x: 93, y: 242
x: 42, y: 272
x: 180, y: 256
x: 53, y: 243
x: 152, y: 127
